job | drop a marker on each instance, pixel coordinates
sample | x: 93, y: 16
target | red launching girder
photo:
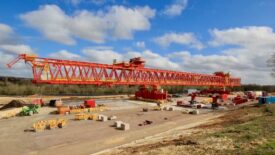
x: 54, y: 71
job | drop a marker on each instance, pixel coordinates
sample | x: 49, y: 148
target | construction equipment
x: 250, y: 95
x: 55, y: 103
x: 134, y: 72
x: 90, y: 103
x: 193, y: 98
x: 38, y: 101
x: 267, y: 100
x: 215, y: 103
x: 29, y: 110
x: 239, y: 100
x: 63, y: 110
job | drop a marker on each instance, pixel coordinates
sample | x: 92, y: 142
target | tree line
x: 23, y: 86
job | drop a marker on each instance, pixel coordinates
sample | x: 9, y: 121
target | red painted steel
x: 55, y: 71
x: 155, y: 93
x: 90, y: 103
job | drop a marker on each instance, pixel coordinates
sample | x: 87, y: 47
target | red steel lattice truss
x: 55, y: 71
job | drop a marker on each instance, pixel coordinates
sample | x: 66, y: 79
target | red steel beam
x: 55, y: 71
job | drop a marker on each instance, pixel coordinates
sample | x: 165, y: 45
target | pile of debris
x: 14, y: 104
x: 146, y: 122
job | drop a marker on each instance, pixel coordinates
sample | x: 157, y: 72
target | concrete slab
x: 125, y: 126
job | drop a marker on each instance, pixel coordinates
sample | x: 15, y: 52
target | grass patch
x: 245, y: 135
x: 248, y: 130
x: 269, y: 110
x: 267, y: 148
x: 242, y: 132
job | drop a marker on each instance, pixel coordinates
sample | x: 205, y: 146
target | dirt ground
x: 88, y: 137
x: 248, y: 129
x: 6, y: 99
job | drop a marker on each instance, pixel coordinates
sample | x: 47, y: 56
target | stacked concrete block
x: 125, y: 126
x: 195, y: 112
x: 171, y: 109
x: 112, y: 117
x: 118, y: 124
x: 185, y: 111
x: 121, y: 125
x: 104, y: 118
x: 165, y: 108
x: 157, y: 108
x: 99, y: 117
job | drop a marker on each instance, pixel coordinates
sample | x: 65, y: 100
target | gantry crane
x: 134, y: 72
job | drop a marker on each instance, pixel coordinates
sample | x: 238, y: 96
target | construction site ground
x: 248, y: 129
x: 88, y: 137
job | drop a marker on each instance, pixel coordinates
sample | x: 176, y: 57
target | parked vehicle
x: 29, y: 110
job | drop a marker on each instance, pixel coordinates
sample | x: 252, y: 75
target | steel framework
x: 55, y: 71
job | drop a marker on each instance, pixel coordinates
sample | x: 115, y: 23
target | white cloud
x: 5, y: 58
x: 102, y: 55
x: 227, y: 63
x: 252, y: 46
x: 118, y: 22
x: 246, y: 37
x: 255, y: 45
x: 96, y: 2
x: 248, y: 60
x: 9, y: 49
x: 106, y: 55
x: 66, y: 55
x: 124, y: 21
x: 155, y: 60
x: 20, y: 69
x: 176, y: 8
x: 5, y: 33
x: 54, y: 25
x: 140, y: 44
x: 152, y: 59
x: 179, y: 38
x: 17, y: 49
x: 9, y: 42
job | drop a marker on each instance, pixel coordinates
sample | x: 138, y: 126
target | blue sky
x: 188, y: 35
